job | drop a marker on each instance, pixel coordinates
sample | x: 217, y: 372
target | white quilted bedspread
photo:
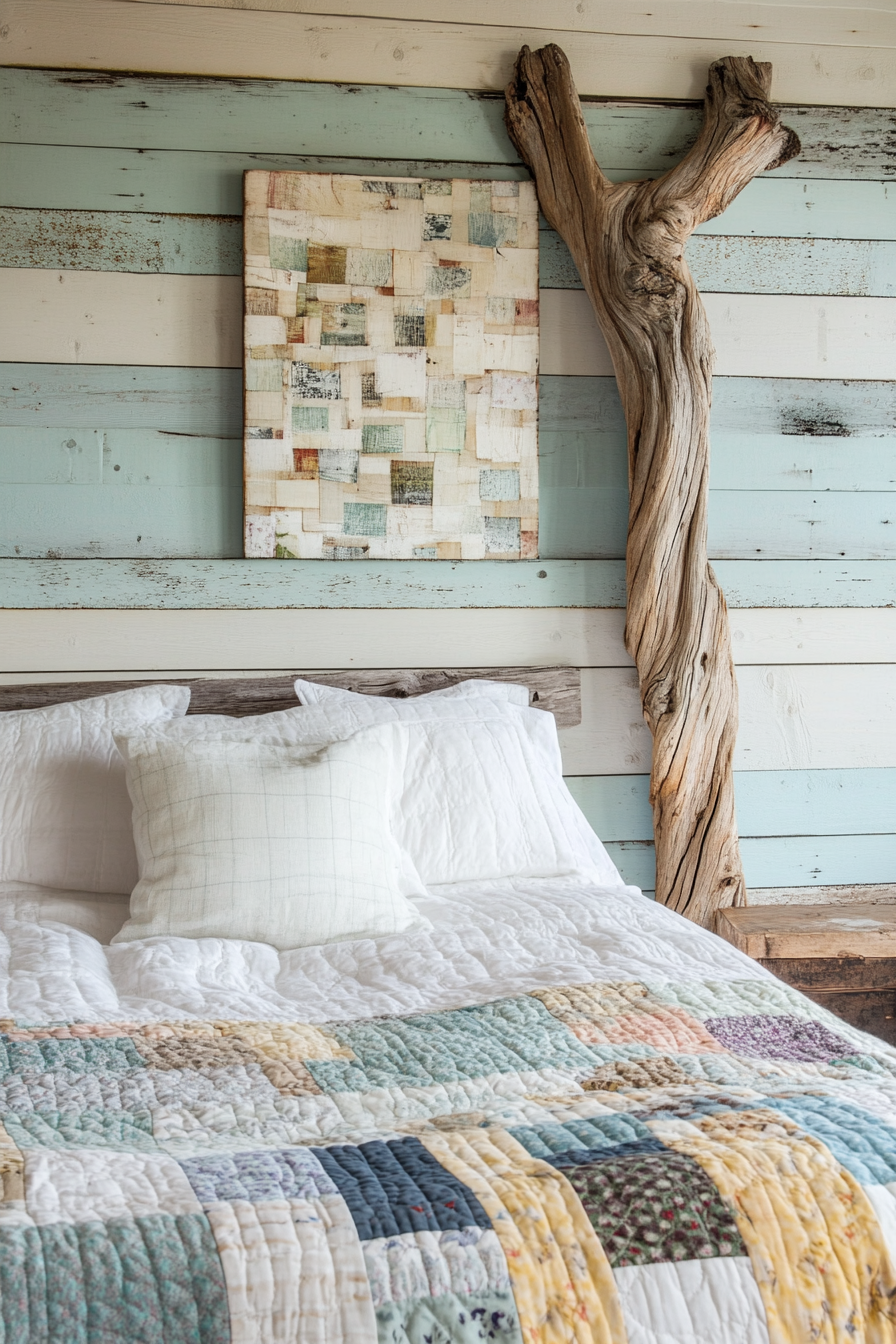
x: 487, y: 940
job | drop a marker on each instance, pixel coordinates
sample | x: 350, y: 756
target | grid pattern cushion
x: 265, y: 841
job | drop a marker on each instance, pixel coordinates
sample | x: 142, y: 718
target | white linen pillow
x: 483, y: 794
x: 314, y: 693
x: 265, y: 841
x: 65, y: 814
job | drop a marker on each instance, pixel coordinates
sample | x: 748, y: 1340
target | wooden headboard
x: 555, y: 689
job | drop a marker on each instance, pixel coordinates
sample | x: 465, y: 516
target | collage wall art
x: 391, y: 353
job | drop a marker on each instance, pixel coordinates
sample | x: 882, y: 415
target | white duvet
x: 487, y: 940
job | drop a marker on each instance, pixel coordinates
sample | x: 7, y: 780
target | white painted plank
x: 817, y: 717
x: 759, y: 335
x: 115, y: 317
x: 57, y: 641
x: 177, y: 39
x: 791, y: 718
x: 110, y: 639
x: 97, y: 317
x: 814, y: 635
x: 854, y: 24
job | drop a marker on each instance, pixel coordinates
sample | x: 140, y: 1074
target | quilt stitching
x: 464, y: 1175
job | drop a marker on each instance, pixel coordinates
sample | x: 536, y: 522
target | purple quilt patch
x: 793, y: 1038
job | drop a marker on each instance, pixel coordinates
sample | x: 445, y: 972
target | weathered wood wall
x: 120, y: 508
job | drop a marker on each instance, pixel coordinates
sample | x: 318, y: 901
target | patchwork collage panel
x: 391, y: 359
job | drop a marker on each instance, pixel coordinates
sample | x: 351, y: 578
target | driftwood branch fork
x: 628, y: 242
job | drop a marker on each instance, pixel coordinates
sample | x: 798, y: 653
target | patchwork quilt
x: 609, y: 1161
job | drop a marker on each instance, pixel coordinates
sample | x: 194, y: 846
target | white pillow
x: 265, y: 841
x: 65, y: 814
x: 314, y: 693
x: 483, y: 794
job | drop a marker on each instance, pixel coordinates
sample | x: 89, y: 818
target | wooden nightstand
x: 842, y: 956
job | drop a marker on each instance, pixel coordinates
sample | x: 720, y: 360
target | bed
x: 555, y: 1111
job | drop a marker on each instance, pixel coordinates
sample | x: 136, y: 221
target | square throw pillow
x: 266, y: 841
x: 483, y: 794
x: 65, y: 814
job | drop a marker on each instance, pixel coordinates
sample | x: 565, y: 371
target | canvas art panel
x: 391, y: 359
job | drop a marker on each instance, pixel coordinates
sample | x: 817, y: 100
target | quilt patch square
x: 655, y: 1206
x: 395, y: 317
x: 792, y: 1038
x: 398, y: 1187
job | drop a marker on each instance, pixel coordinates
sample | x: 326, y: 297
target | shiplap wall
x: 120, y: 195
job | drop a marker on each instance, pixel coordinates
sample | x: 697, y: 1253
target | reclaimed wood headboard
x: 555, y: 689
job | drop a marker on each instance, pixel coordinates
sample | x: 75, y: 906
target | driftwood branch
x: 628, y: 243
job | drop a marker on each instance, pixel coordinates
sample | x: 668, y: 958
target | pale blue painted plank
x: 797, y: 861
x: 749, y: 461
x: 91, y: 240
x: 635, y: 861
x: 242, y: 584
x: 152, y: 112
x: 51, y: 456
x: 174, y: 584
x: 806, y: 583
x: 108, y: 520
x: 617, y: 806
x: 819, y: 860
x: 740, y: 265
x: 821, y: 408
x: 769, y: 802
x: 582, y: 522
x: 180, y: 244
x: 590, y: 522
x: 741, y: 460
x: 202, y: 182
x: 207, y: 402
x: 119, y: 457
x: 798, y: 525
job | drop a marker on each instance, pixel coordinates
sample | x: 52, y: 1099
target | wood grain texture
x: 101, y: 317
x: 179, y: 401
x: 90, y: 317
x: 554, y: 689
x: 735, y: 265
x: 241, y: 584
x: 816, y: 717
x: 872, y: 1010
x: 832, y: 974
x: 755, y: 335
x: 246, y: 117
x: 173, y: 244
x: 323, y: 639
x: 810, y: 931
x: 117, y: 35
x: 838, y: 894
x: 838, y: 25
x: 92, y: 240
x: 627, y: 242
